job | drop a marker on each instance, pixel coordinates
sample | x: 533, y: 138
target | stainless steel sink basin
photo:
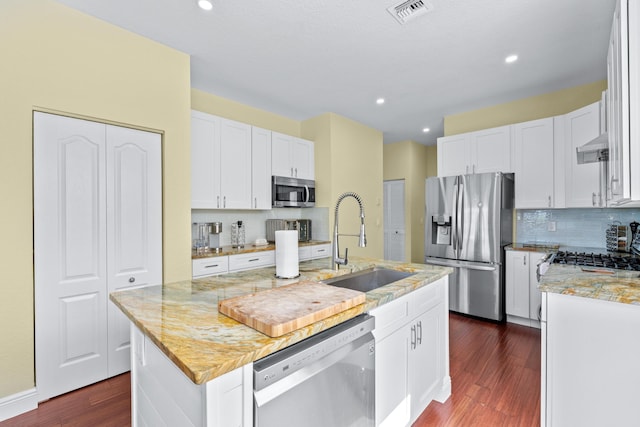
x: 369, y: 279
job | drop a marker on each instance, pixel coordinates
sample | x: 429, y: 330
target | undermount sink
x: 369, y: 279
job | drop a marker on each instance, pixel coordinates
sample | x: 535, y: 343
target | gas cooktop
x: 616, y: 261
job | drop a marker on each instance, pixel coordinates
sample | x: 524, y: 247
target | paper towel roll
x: 287, y: 254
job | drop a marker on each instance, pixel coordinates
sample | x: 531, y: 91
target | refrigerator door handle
x: 454, y: 228
x: 491, y: 267
x: 459, y: 218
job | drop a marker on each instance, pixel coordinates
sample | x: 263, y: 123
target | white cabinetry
x: 623, y: 105
x: 211, y: 266
x: 488, y: 150
x: 534, y: 164
x: 252, y: 260
x: 163, y: 396
x: 261, y: 168
x: 582, y: 182
x: 220, y: 163
x: 521, y: 287
x: 590, y: 370
x: 412, y: 354
x: 292, y: 157
x: 97, y: 229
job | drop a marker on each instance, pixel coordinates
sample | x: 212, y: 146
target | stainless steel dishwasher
x: 325, y: 380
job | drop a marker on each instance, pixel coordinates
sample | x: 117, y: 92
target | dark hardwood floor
x: 495, y: 374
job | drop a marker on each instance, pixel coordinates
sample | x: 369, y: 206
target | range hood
x: 596, y: 150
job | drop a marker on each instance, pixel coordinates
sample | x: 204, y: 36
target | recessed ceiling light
x: 425, y: 130
x: 511, y: 58
x: 380, y: 101
x: 205, y: 4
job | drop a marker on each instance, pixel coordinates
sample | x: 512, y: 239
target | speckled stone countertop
x: 182, y: 318
x: 533, y: 247
x: 249, y: 248
x: 620, y: 286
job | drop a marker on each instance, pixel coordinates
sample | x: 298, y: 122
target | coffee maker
x: 206, y: 236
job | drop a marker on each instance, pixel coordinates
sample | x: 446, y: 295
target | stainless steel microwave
x: 292, y: 192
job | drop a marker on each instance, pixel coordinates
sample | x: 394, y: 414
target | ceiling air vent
x: 409, y: 10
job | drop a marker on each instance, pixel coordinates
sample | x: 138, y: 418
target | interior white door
x: 69, y: 253
x: 134, y: 226
x: 394, y: 225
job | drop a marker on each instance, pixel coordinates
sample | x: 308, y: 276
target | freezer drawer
x: 475, y: 288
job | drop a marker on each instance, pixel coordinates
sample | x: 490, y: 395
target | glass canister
x: 237, y: 234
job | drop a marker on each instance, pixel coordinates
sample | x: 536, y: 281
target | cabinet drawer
x: 252, y: 260
x: 390, y: 317
x: 321, y: 251
x: 426, y: 297
x: 304, y: 253
x: 209, y: 266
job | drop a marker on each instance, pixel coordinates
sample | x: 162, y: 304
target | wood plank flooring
x: 495, y: 373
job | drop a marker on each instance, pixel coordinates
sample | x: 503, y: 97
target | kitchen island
x: 590, y: 346
x: 193, y: 366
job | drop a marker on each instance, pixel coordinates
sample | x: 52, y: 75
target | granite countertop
x: 533, y: 247
x: 248, y: 248
x: 182, y: 318
x: 619, y: 286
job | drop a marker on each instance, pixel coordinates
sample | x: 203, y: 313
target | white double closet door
x: 97, y: 229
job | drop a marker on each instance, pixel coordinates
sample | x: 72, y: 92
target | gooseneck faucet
x: 362, y: 238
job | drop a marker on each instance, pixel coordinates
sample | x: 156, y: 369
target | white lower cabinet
x: 252, y: 260
x: 412, y: 354
x: 203, y: 267
x: 161, y: 395
x: 522, y: 297
x: 590, y: 370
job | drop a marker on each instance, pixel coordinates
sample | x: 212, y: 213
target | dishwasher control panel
x: 279, y: 365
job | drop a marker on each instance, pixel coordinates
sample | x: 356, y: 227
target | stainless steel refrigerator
x: 468, y: 222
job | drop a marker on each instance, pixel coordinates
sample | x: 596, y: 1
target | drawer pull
x: 254, y: 259
x: 321, y: 250
x: 211, y: 265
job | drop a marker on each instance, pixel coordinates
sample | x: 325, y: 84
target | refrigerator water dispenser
x: 441, y: 229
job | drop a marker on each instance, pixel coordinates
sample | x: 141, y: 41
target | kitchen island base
x: 161, y: 395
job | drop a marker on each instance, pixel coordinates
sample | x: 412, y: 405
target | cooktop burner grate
x: 598, y: 260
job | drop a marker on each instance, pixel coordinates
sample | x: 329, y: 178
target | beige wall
x: 57, y: 59
x: 213, y: 104
x: 413, y: 163
x: 522, y: 110
x: 348, y: 157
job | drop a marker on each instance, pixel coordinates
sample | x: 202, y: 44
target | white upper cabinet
x: 292, y: 157
x: 582, y: 182
x: 205, y: 154
x: 261, y: 168
x: 534, y: 164
x: 488, y: 150
x: 221, y: 165
x: 235, y: 164
x: 623, y: 105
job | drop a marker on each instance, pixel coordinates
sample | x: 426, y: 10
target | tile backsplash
x: 573, y: 227
x: 254, y: 221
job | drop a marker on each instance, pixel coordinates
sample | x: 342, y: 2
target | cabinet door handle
x: 524, y: 260
x: 218, y: 201
x: 254, y: 259
x: 224, y: 202
x: 549, y: 201
x: 466, y: 169
x: 413, y: 337
x: 211, y: 266
x: 132, y: 279
x: 473, y: 169
x: 593, y: 199
x: 420, y: 332
x: 255, y: 202
x: 291, y: 171
x: 296, y: 169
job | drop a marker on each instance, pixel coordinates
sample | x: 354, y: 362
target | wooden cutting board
x: 278, y: 311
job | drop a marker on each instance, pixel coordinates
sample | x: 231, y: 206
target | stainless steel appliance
x: 597, y: 261
x: 468, y: 223
x: 206, y: 236
x: 292, y: 192
x: 325, y: 380
x: 302, y: 225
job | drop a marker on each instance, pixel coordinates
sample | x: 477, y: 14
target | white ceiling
x: 302, y: 58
